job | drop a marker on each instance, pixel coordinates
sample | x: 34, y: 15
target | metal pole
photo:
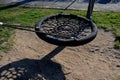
x: 90, y: 9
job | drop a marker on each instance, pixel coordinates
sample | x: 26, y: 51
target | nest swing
x: 65, y: 29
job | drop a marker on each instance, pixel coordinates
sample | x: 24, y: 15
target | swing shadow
x: 30, y: 69
x: 103, y: 1
x: 12, y: 5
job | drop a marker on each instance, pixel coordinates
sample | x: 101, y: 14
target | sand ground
x: 27, y: 60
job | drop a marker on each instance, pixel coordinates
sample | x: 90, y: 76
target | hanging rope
x: 18, y: 26
x: 67, y: 6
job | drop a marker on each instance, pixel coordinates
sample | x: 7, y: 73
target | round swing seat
x: 66, y: 30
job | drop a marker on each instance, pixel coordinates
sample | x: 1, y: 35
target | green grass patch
x: 6, y: 38
x: 109, y: 20
x: 29, y: 16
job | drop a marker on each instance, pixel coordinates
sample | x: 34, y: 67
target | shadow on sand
x: 30, y: 69
x: 104, y: 1
x: 11, y: 5
x: 15, y: 4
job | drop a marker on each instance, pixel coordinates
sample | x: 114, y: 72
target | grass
x: 111, y: 21
x: 29, y: 16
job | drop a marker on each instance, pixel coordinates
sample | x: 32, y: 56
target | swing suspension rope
x: 18, y: 26
x: 67, y: 6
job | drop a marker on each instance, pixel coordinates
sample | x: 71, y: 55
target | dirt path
x: 94, y: 61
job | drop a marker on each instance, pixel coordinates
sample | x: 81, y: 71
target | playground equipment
x: 64, y: 29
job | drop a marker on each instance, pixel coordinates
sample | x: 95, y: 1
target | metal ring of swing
x: 66, y: 30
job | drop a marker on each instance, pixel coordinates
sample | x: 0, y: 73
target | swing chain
x: 67, y: 6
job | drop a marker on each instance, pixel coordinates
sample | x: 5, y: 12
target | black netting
x: 66, y: 28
